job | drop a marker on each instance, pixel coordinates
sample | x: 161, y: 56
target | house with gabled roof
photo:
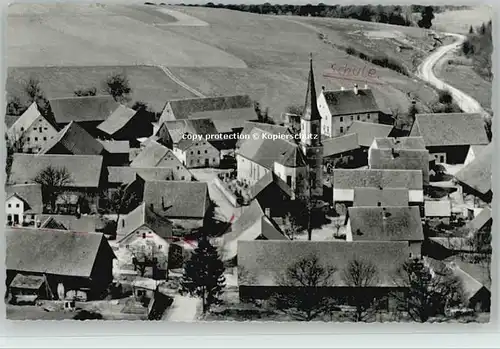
x: 87, y: 177
x: 23, y: 204
x: 342, y: 151
x: 122, y: 175
x: 448, y: 136
x: 272, y: 193
x: 252, y: 224
x: 473, y: 153
x: 75, y: 223
x: 386, y: 224
x: 119, y: 152
x: 186, y: 204
x: 339, y: 109
x: 32, y: 130
x: 400, y: 159
x: 386, y: 197
x: 73, y: 140
x: 476, y: 177
x: 438, y: 210
x: 126, y: 124
x: 263, y: 266
x: 482, y: 222
x: 196, y: 153
x: 69, y: 261
x: 368, y: 131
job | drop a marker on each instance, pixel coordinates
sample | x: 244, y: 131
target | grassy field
x: 459, y: 21
x: 149, y: 84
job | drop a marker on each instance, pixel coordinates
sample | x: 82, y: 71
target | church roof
x: 311, y: 111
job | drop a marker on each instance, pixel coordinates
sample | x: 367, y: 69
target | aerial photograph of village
x: 248, y: 162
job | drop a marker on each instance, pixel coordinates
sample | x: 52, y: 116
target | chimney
x: 355, y: 89
x: 323, y: 88
x: 341, y: 88
x: 366, y: 86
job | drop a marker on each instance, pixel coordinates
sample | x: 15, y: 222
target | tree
x: 429, y: 293
x: 15, y: 106
x: 146, y: 253
x: 82, y: 92
x: 121, y: 201
x: 445, y: 97
x: 204, y: 275
x: 294, y: 109
x: 471, y: 30
x: 427, y: 17
x: 302, y: 285
x: 14, y: 144
x: 32, y: 87
x: 291, y: 227
x: 361, y: 274
x: 53, y: 179
x: 118, y: 86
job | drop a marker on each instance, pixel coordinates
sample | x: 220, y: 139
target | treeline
x: 391, y: 14
x: 381, y: 61
x: 479, y: 47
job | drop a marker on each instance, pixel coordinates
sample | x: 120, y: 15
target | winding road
x: 425, y: 71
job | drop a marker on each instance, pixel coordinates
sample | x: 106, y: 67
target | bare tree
x: 428, y: 292
x: 360, y: 274
x: 146, y: 253
x: 15, y: 106
x: 118, y: 86
x: 53, y: 179
x: 14, y: 144
x: 303, y: 287
x: 33, y: 88
x: 292, y: 227
x: 120, y: 201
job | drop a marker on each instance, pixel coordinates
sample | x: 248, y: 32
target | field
x: 459, y: 21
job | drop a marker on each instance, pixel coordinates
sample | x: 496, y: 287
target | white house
x: 23, y: 204
x: 197, y: 153
x: 32, y: 130
x: 338, y: 109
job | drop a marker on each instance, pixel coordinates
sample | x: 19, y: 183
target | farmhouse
x: 273, y: 194
x: 448, y: 136
x: 339, y: 109
x: 120, y: 175
x: 31, y: 130
x: 88, y: 111
x: 73, y: 140
x: 178, y: 128
x: 248, y: 127
x: 87, y: 177
x: 263, y: 265
x: 72, y: 261
x: 386, y: 224
x: 126, y: 124
x: 197, y: 153
x: 23, y: 204
x: 400, y: 159
x: 342, y: 151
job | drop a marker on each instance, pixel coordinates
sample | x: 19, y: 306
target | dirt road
x: 183, y: 309
x: 426, y: 72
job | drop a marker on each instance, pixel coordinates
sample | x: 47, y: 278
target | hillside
x: 214, y: 51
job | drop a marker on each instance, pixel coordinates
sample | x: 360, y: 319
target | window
x: 143, y: 235
x: 10, y: 205
x: 45, y: 128
x: 17, y: 205
x: 198, y: 152
x: 213, y: 160
x: 341, y: 119
x: 352, y: 117
x: 40, y: 129
x: 178, y: 167
x: 22, y: 129
x: 357, y: 117
x: 36, y: 139
x: 123, y: 223
x: 182, y: 177
x: 289, y: 180
x: 368, y: 116
x: 341, y: 129
x: 197, y: 161
x: 192, y: 152
x: 44, y: 138
x: 379, y: 203
x: 28, y: 139
x: 206, y: 151
x: 159, y: 247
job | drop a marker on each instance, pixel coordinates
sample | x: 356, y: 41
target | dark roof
x: 343, y: 102
x: 86, y: 224
x: 85, y: 170
x: 265, y: 151
x: 339, y: 145
x: 310, y: 111
x: 124, y: 174
x: 117, y: 120
x: 248, y: 127
x: 144, y: 215
x: 116, y: 147
x: 483, y: 218
x: 361, y: 178
x: 368, y: 131
x: 202, y: 127
x: 33, y: 282
x: 437, y: 208
x: 178, y: 198
x: 386, y: 197
x: 478, y: 174
x: 266, y: 260
x: 53, y: 251
x: 75, y: 140
x: 29, y: 193
x: 450, y: 129
x: 400, y: 159
x: 185, y: 108
x: 80, y: 109
x: 386, y: 223
x: 415, y: 143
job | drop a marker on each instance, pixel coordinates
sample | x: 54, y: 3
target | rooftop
x: 381, y: 197
x: 368, y: 131
x: 478, y: 174
x: 29, y: 193
x: 117, y: 120
x: 339, y: 145
x: 75, y: 140
x: 343, y: 102
x: 361, y: 178
x: 82, y: 109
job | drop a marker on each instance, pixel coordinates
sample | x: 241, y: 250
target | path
x: 425, y: 71
x: 180, y: 82
x: 183, y: 309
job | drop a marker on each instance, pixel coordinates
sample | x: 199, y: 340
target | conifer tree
x: 204, y: 275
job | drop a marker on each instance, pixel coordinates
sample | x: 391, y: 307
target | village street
x: 183, y: 309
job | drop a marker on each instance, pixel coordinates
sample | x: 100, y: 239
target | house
x: 248, y: 127
x: 342, y: 151
x: 443, y: 247
x: 474, y: 151
x: 184, y: 203
x: 75, y: 223
x: 273, y: 195
x: 73, y: 140
x: 345, y: 181
x: 195, y: 153
x: 339, y: 109
x: 252, y: 224
x: 263, y: 267
x: 482, y: 222
x: 438, y: 210
x: 120, y: 175
x: 31, y: 130
x: 156, y: 155
x: 386, y: 224
x: 368, y: 131
x: 87, y: 177
x: 177, y: 129
x: 260, y: 154
x: 476, y: 177
x: 69, y: 261
x: 23, y: 203
x: 27, y: 289
x: 400, y: 159
x: 448, y: 136
x: 233, y: 109
x: 88, y: 111
x: 126, y: 124
x: 118, y: 152
x: 387, y: 197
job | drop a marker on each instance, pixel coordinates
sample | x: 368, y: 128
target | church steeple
x: 311, y: 105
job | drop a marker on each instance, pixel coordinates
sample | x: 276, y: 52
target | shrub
x: 87, y: 315
x: 445, y: 97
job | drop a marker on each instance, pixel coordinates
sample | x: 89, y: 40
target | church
x: 296, y: 161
